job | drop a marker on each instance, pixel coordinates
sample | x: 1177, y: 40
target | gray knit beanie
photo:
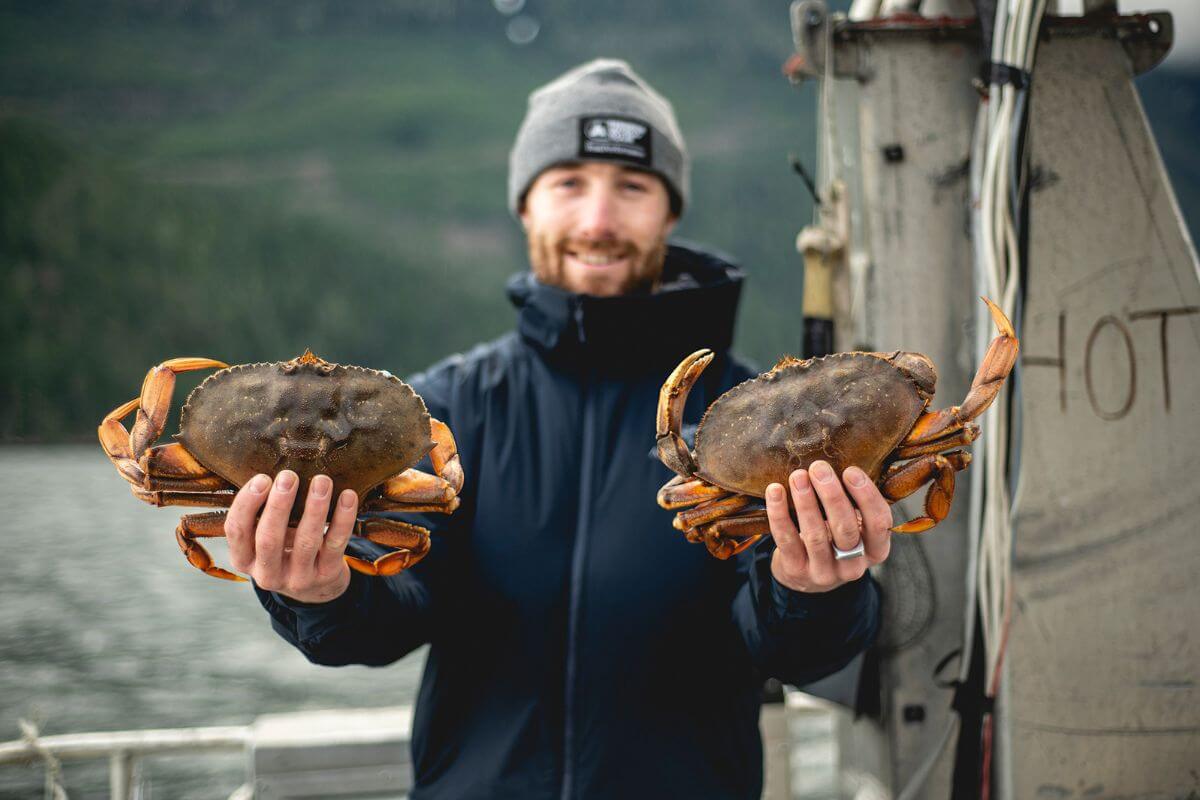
x: 601, y: 110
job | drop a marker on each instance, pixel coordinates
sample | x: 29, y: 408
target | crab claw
x: 1003, y: 324
x: 672, y: 449
x: 997, y: 363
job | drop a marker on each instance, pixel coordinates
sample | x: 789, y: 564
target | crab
x: 863, y: 409
x: 364, y: 428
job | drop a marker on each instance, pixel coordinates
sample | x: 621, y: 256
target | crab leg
x: 170, y: 497
x: 968, y: 434
x: 172, y: 461
x: 384, y: 503
x: 170, y: 467
x: 727, y: 537
x: 193, y: 526
x: 208, y: 483
x: 415, y: 486
x: 672, y: 449
x: 412, y: 542
x: 711, y: 510
x: 680, y: 492
x: 904, y: 479
x: 115, y: 441
x: 959, y: 459
x: 122, y: 447
x: 997, y: 363
x: 155, y: 401
x: 414, y: 491
x: 444, y: 455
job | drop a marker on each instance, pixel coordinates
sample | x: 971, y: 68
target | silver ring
x: 854, y: 552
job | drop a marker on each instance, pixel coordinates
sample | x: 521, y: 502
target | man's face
x: 597, y: 228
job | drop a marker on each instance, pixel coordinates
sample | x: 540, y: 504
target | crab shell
x: 358, y: 426
x: 846, y: 408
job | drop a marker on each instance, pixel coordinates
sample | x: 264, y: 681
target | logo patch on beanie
x: 614, y: 137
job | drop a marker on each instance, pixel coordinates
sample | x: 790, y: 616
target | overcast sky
x: 1186, y: 51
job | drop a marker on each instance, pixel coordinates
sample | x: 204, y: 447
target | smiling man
x: 597, y: 229
x: 579, y: 647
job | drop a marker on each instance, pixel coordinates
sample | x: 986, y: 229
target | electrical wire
x: 996, y: 185
x: 997, y: 192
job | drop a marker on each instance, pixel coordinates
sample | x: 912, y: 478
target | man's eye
x: 634, y: 186
x: 568, y: 183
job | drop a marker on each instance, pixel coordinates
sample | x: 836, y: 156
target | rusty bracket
x: 810, y: 19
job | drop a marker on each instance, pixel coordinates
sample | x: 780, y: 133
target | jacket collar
x: 694, y: 307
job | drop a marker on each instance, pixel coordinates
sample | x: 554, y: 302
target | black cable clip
x: 1000, y: 74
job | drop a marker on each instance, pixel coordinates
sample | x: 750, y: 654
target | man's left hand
x: 804, y: 559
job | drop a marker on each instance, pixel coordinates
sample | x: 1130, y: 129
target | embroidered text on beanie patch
x: 619, y: 138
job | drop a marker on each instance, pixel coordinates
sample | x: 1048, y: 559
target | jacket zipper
x: 578, y: 556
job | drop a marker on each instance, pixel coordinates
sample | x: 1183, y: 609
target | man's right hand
x: 304, y: 563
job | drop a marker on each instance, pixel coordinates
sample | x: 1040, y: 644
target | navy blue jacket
x: 579, y: 646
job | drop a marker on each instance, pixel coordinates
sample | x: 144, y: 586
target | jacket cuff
x: 846, y: 600
x: 311, y: 621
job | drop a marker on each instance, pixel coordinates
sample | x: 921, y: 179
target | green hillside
x: 246, y: 179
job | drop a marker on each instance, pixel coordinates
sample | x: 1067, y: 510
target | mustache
x: 602, y: 247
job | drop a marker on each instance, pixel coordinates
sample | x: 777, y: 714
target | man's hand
x: 803, y: 558
x: 304, y: 563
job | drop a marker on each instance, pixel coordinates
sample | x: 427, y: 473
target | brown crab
x: 363, y: 428
x: 864, y: 409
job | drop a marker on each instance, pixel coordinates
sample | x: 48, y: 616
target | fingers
x: 843, y: 524
x: 240, y: 521
x: 813, y: 530
x: 310, y: 532
x: 876, y: 514
x: 304, y: 562
x: 783, y: 528
x: 804, y: 560
x: 843, y: 519
x: 270, y: 535
x: 329, y: 562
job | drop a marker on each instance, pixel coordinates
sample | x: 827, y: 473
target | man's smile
x: 592, y: 260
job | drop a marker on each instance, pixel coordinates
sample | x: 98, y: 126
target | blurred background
x: 242, y: 180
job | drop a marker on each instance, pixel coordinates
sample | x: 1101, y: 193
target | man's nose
x: 598, y: 214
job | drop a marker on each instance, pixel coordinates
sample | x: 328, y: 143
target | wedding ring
x: 854, y: 552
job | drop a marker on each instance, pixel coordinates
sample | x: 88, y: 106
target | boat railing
x: 123, y: 749
x: 365, y: 752
x: 355, y: 752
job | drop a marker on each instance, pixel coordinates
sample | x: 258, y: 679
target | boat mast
x: 952, y: 165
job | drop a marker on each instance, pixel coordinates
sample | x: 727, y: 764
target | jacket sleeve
x: 798, y: 637
x: 376, y: 620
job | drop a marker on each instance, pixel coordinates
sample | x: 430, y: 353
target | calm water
x: 104, y: 626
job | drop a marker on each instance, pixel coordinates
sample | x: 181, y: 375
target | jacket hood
x: 695, y: 306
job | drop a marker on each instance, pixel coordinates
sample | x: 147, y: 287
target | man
x: 579, y: 646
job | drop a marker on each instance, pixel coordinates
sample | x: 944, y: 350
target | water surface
x: 105, y: 626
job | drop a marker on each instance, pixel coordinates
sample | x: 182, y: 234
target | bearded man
x: 579, y: 647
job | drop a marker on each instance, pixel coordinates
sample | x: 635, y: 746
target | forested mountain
x: 242, y: 180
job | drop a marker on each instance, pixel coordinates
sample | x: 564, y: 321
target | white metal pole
x: 120, y: 775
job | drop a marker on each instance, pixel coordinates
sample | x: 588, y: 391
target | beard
x: 547, y: 259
